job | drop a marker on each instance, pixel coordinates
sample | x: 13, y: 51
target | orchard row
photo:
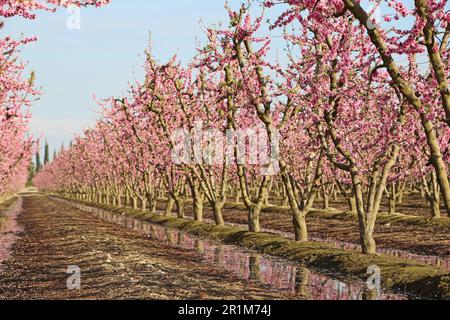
x: 17, y: 93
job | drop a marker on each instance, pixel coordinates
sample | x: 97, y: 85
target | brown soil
x: 116, y: 263
x: 412, y: 204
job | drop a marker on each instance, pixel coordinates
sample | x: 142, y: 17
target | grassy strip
x: 5, y: 204
x: 397, y: 274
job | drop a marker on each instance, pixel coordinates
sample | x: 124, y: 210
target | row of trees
x: 15, y: 147
x: 35, y: 167
x: 17, y: 92
x: 352, y: 111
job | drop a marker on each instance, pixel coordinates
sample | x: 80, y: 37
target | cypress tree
x: 46, y: 154
x: 31, y: 174
x: 38, y: 162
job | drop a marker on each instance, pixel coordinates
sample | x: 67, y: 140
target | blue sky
x: 103, y: 55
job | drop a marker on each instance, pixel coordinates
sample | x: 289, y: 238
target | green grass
x: 6, y: 203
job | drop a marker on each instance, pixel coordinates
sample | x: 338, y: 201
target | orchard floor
x: 115, y: 263
x: 427, y: 241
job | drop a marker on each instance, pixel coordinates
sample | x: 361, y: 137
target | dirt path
x: 115, y: 263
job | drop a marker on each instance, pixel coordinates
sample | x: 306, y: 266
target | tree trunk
x: 254, y: 266
x: 180, y: 208
x: 367, y: 241
x: 352, y: 204
x: 285, y: 196
x: 302, y: 276
x: 392, y: 196
x: 285, y: 201
x: 135, y: 203
x: 437, y: 161
x: 170, y: 236
x: 253, y: 218
x: 198, y: 197
x: 143, y: 204
x: 435, y: 208
x: 400, y: 197
x: 300, y: 229
x: 422, y: 191
x: 392, y: 206
x: 326, y: 201
x: 217, y: 212
x: 127, y: 199
x: 219, y: 255
x: 400, y: 194
x: 433, y: 194
x: 169, y: 206
x: 198, y: 210
x: 153, y: 206
x: 151, y: 200
x: 266, y: 200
